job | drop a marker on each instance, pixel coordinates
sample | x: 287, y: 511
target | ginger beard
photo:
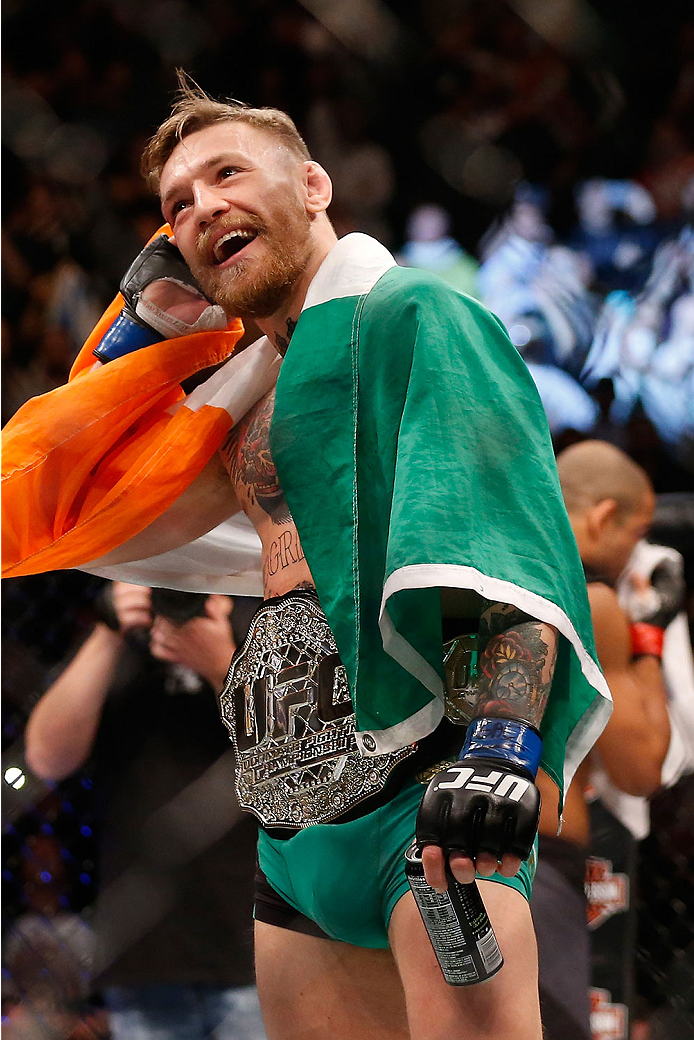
x: 256, y: 288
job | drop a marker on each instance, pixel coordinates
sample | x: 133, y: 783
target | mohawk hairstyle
x: 194, y: 110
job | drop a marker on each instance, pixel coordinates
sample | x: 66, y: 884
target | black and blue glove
x: 487, y: 801
x: 174, y: 305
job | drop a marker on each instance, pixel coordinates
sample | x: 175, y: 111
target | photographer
x: 174, y: 914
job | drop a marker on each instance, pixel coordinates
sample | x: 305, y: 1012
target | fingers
x: 163, y: 641
x: 218, y: 606
x: 434, y: 867
x: 509, y: 866
x: 163, y: 638
x: 203, y: 644
x: 179, y: 300
x: 132, y: 604
x: 487, y: 864
x: 163, y: 653
x: 125, y: 595
x: 463, y: 868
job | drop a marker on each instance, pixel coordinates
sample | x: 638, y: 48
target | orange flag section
x: 94, y: 462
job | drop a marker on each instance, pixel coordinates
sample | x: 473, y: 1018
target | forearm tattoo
x: 516, y: 665
x: 246, y: 454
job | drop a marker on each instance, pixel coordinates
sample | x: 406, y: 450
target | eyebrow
x: 215, y: 160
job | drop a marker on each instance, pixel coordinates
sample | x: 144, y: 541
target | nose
x: 209, y: 204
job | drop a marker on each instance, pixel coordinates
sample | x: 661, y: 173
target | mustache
x: 248, y: 223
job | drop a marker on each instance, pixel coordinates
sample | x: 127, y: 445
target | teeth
x: 239, y: 233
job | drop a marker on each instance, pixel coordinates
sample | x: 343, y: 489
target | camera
x: 178, y: 607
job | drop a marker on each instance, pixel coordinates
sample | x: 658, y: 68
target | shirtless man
x: 610, y: 502
x: 247, y: 206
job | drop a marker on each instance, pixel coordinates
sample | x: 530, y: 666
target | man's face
x: 233, y: 195
x: 621, y: 535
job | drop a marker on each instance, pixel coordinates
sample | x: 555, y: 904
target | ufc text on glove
x: 487, y: 801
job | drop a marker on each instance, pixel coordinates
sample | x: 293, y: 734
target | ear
x: 600, y: 516
x: 318, y: 188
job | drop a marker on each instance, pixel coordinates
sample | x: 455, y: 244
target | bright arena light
x: 15, y: 777
x: 519, y: 335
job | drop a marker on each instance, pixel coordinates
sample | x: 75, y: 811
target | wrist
x: 646, y: 639
x: 507, y: 741
x: 124, y: 337
x: 107, y: 637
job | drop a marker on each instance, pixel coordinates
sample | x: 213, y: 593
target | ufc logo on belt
x: 495, y: 782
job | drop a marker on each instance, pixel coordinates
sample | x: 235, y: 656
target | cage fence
x: 50, y: 864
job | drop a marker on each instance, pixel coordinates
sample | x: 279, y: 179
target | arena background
x: 513, y: 123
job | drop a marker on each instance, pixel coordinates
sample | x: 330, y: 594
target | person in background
x: 48, y: 956
x: 174, y: 915
x: 610, y: 503
x: 430, y: 245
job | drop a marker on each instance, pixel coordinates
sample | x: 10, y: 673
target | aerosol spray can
x: 459, y: 928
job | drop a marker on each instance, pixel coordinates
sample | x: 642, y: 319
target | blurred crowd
x: 543, y: 163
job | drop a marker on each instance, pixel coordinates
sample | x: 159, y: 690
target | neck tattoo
x: 282, y: 342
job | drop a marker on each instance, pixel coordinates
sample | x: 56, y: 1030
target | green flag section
x: 414, y: 453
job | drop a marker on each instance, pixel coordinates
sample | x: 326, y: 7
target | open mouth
x: 231, y: 244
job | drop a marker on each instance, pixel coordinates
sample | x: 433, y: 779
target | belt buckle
x: 460, y: 665
x: 287, y: 706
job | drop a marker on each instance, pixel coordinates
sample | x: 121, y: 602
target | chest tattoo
x: 246, y: 453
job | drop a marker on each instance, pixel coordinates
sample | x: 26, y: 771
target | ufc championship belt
x: 289, y: 712
x: 460, y: 666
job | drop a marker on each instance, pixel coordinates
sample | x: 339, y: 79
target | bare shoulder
x: 602, y: 599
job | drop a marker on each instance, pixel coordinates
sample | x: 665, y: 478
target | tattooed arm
x: 518, y: 656
x: 248, y: 460
x: 482, y: 813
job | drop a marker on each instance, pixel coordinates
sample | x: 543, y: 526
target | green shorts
x: 347, y: 877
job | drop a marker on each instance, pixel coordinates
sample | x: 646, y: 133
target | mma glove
x: 487, y: 801
x: 142, y: 322
x: 654, y: 609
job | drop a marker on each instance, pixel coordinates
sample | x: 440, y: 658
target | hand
x: 204, y: 644
x: 482, y: 813
x: 658, y: 600
x: 162, y: 301
x: 132, y: 606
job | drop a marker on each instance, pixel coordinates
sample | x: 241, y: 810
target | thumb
x: 218, y: 606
